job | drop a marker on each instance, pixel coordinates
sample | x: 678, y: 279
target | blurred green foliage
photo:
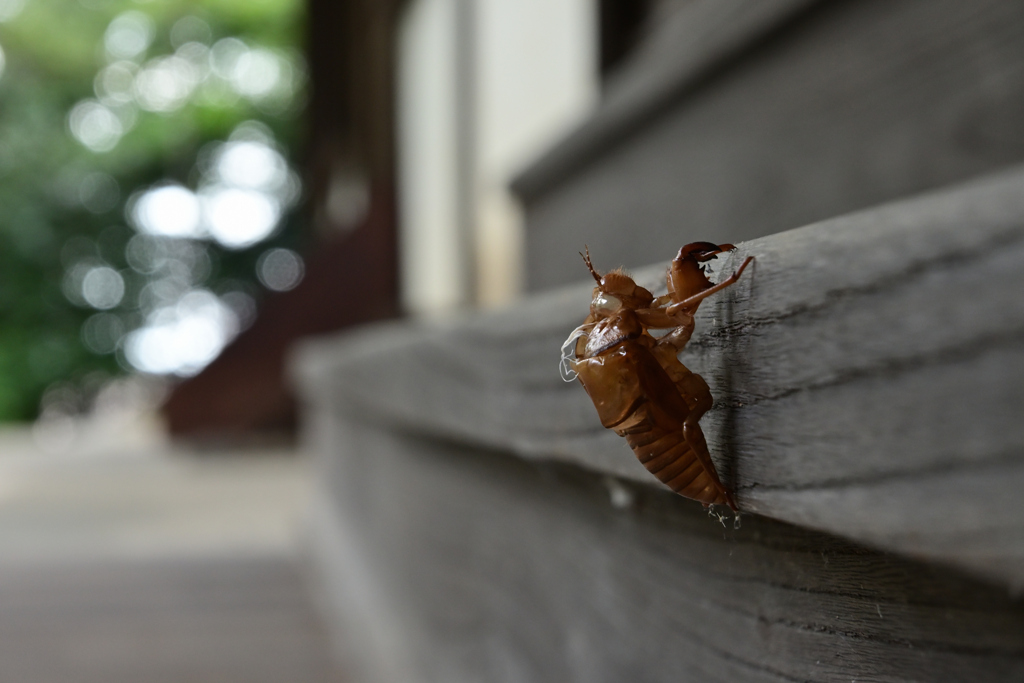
x: 53, y: 51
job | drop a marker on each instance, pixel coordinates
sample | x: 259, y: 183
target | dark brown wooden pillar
x: 351, y: 275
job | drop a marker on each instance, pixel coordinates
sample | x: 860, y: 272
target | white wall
x: 430, y: 250
x: 464, y: 133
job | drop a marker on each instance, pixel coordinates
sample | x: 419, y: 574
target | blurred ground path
x: 147, y: 565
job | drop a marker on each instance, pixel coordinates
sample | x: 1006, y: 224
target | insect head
x: 614, y: 290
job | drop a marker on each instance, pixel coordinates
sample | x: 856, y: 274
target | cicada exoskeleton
x: 640, y: 388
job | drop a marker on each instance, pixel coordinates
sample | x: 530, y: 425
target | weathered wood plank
x: 848, y: 104
x: 463, y: 565
x: 868, y: 376
x: 682, y: 50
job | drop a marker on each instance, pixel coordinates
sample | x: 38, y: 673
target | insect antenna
x: 590, y: 266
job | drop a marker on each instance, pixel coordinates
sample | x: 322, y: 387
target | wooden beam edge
x: 490, y: 378
x: 698, y: 40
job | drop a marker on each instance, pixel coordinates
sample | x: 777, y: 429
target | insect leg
x: 697, y: 394
x: 655, y: 317
x: 678, y: 337
x: 692, y: 301
x: 667, y: 348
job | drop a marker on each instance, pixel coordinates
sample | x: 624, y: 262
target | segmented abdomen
x: 658, y: 443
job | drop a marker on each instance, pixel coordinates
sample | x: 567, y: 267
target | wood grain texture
x: 868, y: 374
x: 461, y: 564
x: 824, y: 110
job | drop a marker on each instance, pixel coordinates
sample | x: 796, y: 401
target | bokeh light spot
x: 143, y: 253
x: 95, y: 126
x: 165, y: 84
x: 197, y: 56
x: 251, y: 164
x: 257, y: 73
x: 243, y: 306
x: 168, y: 210
x: 102, y: 333
x: 280, y: 269
x: 184, y: 338
x: 102, y: 287
x: 128, y: 35
x: 113, y: 85
x: 224, y: 56
x: 240, y: 218
x: 190, y: 29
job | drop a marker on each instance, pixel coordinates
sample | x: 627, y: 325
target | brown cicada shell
x: 639, y: 387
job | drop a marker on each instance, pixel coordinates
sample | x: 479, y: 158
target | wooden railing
x: 868, y: 373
